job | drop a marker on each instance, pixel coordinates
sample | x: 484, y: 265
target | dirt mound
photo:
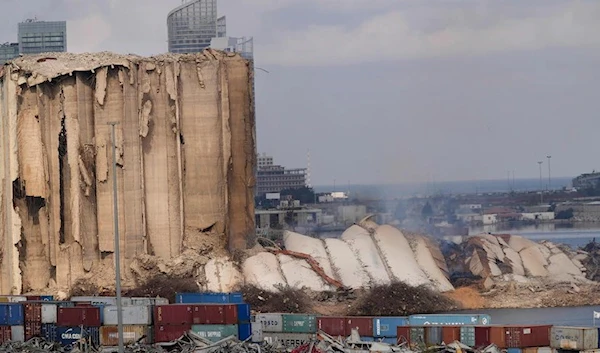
x: 467, y: 297
x: 287, y: 300
x: 400, y: 299
x: 163, y: 286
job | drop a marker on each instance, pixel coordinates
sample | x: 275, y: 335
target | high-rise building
x: 275, y: 178
x: 244, y: 46
x: 193, y: 25
x: 42, y: 37
x: 8, y: 51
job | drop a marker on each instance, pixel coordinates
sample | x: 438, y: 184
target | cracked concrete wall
x: 185, y: 156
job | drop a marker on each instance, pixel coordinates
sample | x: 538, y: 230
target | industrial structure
x: 272, y: 178
x: 193, y: 25
x: 587, y: 181
x: 185, y: 156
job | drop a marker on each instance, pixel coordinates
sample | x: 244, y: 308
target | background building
x: 243, y: 45
x: 42, y: 37
x: 193, y: 25
x: 587, y: 181
x: 8, y: 51
x: 272, y: 178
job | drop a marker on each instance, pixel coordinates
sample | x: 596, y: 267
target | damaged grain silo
x: 185, y: 155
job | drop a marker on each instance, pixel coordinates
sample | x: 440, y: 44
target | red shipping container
x: 334, y: 326
x: 527, y: 336
x: 364, y: 325
x: 5, y: 334
x: 450, y: 334
x: 168, y: 333
x: 33, y: 312
x: 403, y: 334
x: 215, y: 314
x: 77, y: 316
x: 33, y: 329
x: 173, y: 314
x: 33, y: 297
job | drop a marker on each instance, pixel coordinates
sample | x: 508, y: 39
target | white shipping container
x: 16, y: 299
x: 148, y: 301
x: 17, y: 333
x: 49, y: 313
x: 125, y: 301
x: 270, y: 322
x: 288, y: 340
x: 132, y: 315
x: 257, y: 333
x: 574, y: 338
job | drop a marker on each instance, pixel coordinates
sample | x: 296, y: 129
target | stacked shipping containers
x: 217, y: 315
x: 287, y: 330
x: 76, y: 323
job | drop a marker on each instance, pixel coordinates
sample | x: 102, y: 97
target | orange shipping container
x: 498, y: 336
x: 109, y: 335
x: 450, y: 334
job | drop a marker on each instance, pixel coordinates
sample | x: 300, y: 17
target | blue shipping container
x: 49, y: 332
x: 243, y: 312
x: 47, y: 298
x: 11, y: 314
x: 386, y: 326
x: 450, y: 319
x: 244, y: 331
x: 513, y: 350
x: 66, y: 336
x: 209, y: 298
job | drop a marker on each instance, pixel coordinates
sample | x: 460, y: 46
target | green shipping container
x: 299, y: 323
x: 215, y: 333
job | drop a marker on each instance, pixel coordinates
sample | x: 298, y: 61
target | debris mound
x: 163, y: 286
x: 401, y: 299
x: 286, y: 300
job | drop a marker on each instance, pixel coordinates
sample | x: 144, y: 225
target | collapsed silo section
x: 185, y: 142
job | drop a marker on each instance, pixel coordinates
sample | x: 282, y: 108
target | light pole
x: 549, y: 173
x: 117, y: 248
x: 541, y: 185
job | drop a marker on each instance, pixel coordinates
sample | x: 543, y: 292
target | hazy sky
x: 392, y: 90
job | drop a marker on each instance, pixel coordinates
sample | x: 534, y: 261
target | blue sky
x: 392, y: 90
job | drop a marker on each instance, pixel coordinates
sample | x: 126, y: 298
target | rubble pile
x: 589, y: 256
x: 285, y: 300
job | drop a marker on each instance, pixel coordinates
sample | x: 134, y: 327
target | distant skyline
x: 387, y: 91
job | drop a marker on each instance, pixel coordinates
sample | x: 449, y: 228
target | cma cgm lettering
x: 69, y: 335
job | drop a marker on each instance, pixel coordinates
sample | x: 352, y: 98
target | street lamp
x: 549, y: 173
x: 117, y: 248
x: 541, y: 185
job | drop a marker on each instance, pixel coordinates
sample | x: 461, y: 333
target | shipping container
x: 513, y: 350
x: 574, y: 338
x: 109, y: 335
x: 16, y: 299
x: 289, y: 340
x: 403, y: 334
x: 142, y: 301
x: 482, y: 336
x: 32, y: 311
x: 433, y: 335
x: 33, y: 297
x: 17, y: 333
x: 49, y: 313
x: 467, y: 335
x: 46, y: 298
x: 67, y: 336
x: 173, y: 314
x: 32, y: 329
x: 244, y: 331
x: 334, y: 326
x: 528, y: 336
x: 95, y: 300
x: 215, y: 333
x: 299, y: 323
x: 168, y: 333
x: 386, y: 326
x: 449, y: 319
x: 49, y: 332
x: 209, y: 298
x: 417, y: 336
x: 539, y: 350
x: 11, y: 314
x: 497, y: 336
x: 257, y: 332
x: 243, y: 312
x: 450, y: 334
x: 132, y: 315
x: 270, y: 322
x: 5, y: 334
x: 78, y: 315
x: 215, y: 314
x: 363, y: 324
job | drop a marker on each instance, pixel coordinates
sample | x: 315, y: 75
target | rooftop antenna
x: 308, y: 182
